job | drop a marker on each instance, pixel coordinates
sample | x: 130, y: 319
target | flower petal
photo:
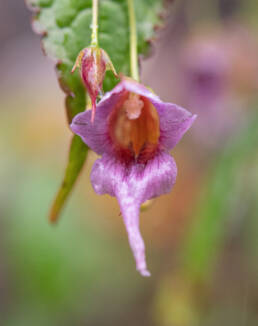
x: 133, y: 185
x: 131, y: 220
x: 174, y: 120
x: 95, y: 134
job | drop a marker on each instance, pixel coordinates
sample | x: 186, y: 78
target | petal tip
x: 74, y: 127
x: 192, y: 119
x: 194, y: 116
x: 144, y: 272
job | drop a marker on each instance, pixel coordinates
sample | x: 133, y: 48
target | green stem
x: 133, y: 41
x: 94, y: 26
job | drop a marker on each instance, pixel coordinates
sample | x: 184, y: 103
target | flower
x: 133, y: 133
x: 93, y: 63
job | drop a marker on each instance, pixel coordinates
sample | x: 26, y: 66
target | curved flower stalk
x: 133, y: 133
x: 93, y: 63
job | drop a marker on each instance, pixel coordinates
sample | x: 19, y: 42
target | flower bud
x: 93, y: 63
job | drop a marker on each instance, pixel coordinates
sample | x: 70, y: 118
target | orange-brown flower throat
x: 134, y: 128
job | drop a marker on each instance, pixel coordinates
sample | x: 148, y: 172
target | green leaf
x: 65, y: 27
x: 77, y: 156
x: 218, y: 204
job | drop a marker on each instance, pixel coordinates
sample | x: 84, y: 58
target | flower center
x: 134, y: 128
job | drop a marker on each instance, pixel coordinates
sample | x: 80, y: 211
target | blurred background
x: 201, y: 239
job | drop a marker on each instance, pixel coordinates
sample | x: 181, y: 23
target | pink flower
x: 93, y: 63
x: 133, y: 132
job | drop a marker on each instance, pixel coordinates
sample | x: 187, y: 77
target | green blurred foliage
x: 61, y: 275
x: 224, y: 190
x: 226, y: 212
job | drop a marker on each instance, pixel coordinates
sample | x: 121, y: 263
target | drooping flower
x: 93, y: 63
x: 133, y: 132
